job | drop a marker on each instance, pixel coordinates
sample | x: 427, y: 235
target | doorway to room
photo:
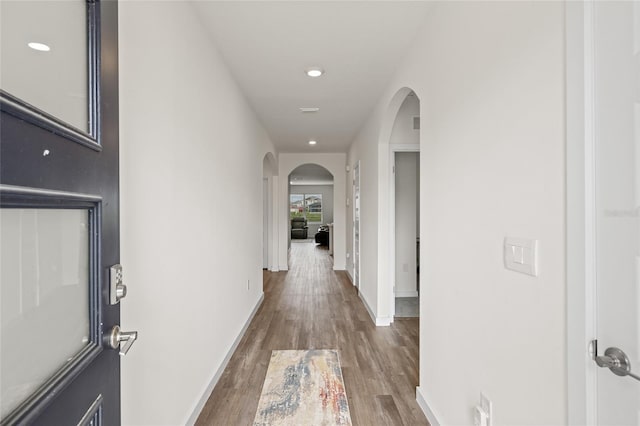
x: 404, y: 189
x: 407, y: 234
x: 311, y: 206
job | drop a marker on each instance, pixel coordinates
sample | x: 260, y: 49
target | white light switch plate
x: 521, y: 255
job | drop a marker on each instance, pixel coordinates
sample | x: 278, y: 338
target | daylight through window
x: 308, y: 206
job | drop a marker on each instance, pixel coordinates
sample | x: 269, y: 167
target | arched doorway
x: 311, y: 205
x: 404, y: 189
x: 335, y: 164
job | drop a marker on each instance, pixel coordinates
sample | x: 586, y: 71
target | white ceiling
x: 269, y: 44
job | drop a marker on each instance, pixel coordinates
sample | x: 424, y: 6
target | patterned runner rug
x: 303, y: 388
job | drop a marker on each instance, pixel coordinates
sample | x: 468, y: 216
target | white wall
x: 364, y: 149
x: 327, y: 203
x: 335, y: 164
x: 191, y: 181
x: 490, y: 79
x: 403, y: 131
x: 406, y: 215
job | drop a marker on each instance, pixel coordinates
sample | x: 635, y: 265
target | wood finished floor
x: 313, y: 307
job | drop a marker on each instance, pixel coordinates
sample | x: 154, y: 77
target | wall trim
x: 425, y: 407
x: 349, y: 276
x: 216, y: 377
x: 378, y: 321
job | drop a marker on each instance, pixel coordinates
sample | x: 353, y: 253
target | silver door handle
x: 116, y: 337
x: 617, y: 361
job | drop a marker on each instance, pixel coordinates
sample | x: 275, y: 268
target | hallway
x: 313, y: 307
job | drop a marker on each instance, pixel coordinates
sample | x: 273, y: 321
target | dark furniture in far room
x: 322, y: 236
x: 299, y: 228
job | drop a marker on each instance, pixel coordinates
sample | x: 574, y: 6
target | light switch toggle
x: 518, y: 254
x: 521, y: 255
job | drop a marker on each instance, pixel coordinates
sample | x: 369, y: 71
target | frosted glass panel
x: 44, y: 297
x: 53, y: 80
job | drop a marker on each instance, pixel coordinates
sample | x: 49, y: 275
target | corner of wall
x: 378, y: 321
x: 426, y: 407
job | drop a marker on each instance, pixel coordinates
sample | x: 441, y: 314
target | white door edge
x: 581, y: 224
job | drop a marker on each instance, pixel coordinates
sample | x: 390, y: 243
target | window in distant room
x: 308, y: 206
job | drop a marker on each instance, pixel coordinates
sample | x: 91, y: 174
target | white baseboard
x: 205, y: 396
x: 378, y: 321
x: 426, y: 409
x: 350, y: 277
x: 407, y: 293
x: 284, y: 268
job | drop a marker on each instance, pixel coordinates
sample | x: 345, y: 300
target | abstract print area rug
x: 303, y: 388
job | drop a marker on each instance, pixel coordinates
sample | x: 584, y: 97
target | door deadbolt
x: 117, y: 289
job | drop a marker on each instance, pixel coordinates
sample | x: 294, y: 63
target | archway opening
x: 399, y: 225
x: 404, y: 259
x: 311, y: 209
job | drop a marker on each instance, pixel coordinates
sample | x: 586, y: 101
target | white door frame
x: 273, y: 224
x: 357, y: 210
x: 581, y: 231
x: 393, y: 148
x: 265, y: 223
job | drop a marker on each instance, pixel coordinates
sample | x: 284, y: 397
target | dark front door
x: 59, y: 213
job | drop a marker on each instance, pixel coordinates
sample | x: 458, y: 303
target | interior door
x: 59, y: 219
x: 616, y: 131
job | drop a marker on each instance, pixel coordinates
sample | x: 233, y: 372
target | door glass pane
x: 53, y: 74
x: 44, y: 297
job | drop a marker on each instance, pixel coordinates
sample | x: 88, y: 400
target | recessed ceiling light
x: 309, y: 109
x: 312, y: 142
x: 315, y: 72
x: 39, y: 46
